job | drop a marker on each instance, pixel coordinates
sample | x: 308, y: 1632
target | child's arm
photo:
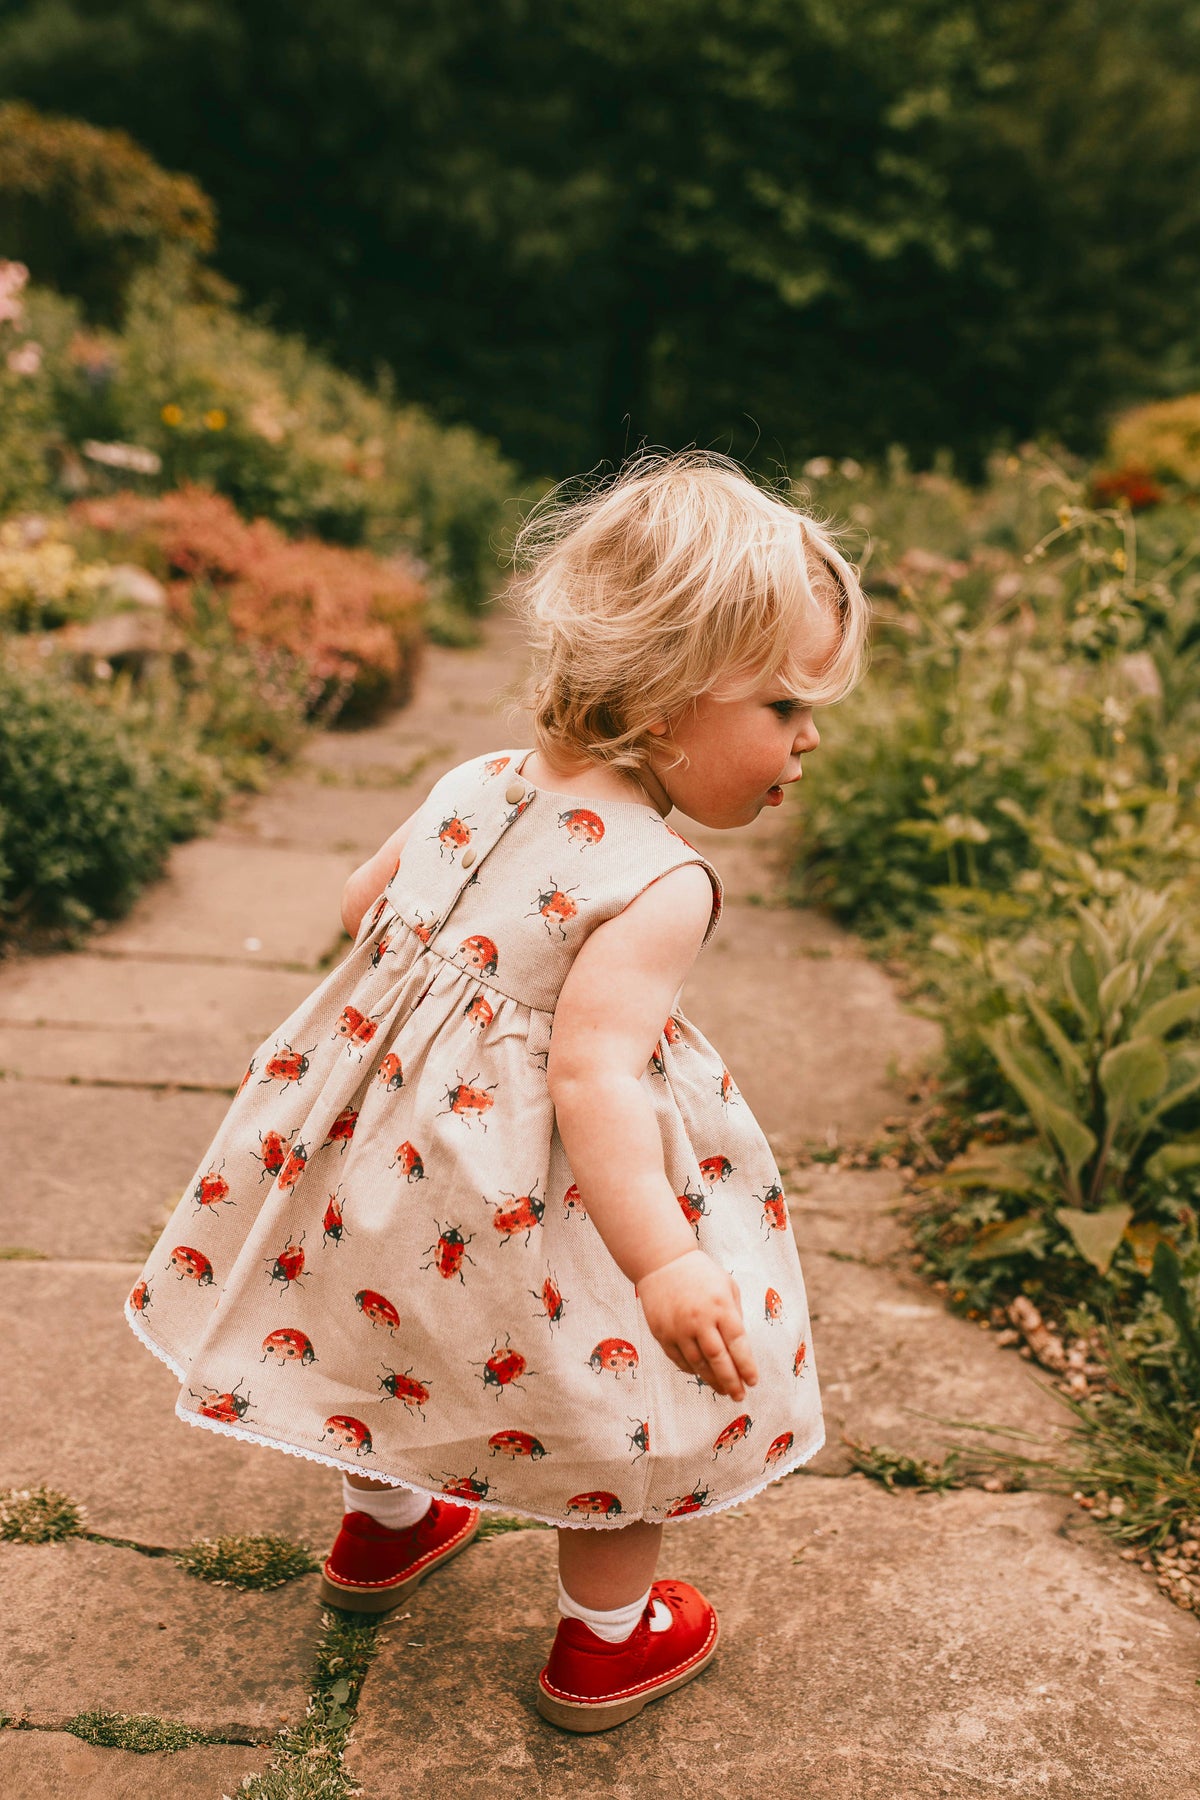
x: 610, y: 1014
x: 370, y: 878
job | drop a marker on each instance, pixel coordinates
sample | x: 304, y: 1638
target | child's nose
x: 808, y: 737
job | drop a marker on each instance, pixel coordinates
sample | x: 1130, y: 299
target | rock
x: 124, y: 640
x: 126, y: 581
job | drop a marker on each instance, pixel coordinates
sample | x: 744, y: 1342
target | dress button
x: 468, y: 857
x: 514, y: 792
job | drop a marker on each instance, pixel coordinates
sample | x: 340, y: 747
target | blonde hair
x: 673, y: 577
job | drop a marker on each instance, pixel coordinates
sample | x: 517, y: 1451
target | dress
x: 382, y: 1262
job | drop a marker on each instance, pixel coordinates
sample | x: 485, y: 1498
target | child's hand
x: 694, y: 1310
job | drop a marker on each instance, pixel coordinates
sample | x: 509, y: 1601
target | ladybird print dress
x: 382, y: 1261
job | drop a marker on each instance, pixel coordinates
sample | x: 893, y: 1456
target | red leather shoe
x: 589, y: 1684
x: 372, y: 1568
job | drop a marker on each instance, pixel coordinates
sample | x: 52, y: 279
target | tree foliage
x: 801, y: 224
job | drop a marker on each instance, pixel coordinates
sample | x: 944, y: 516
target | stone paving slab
x: 215, y: 894
x: 53, y: 1765
x: 348, y: 821
x: 94, y: 1172
x: 138, y: 1058
x: 108, y: 1435
x: 848, y: 1212
x: 126, y: 994
x: 774, y: 1012
x: 876, y: 1647
x: 88, y: 1625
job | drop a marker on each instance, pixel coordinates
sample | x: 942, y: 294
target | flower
x: 13, y: 276
x: 26, y: 359
x: 172, y: 414
x: 818, y: 467
x: 215, y: 419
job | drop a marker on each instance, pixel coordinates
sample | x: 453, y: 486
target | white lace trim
x: 496, y: 1506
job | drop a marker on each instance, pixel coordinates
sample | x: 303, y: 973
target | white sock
x: 395, y: 1507
x: 615, y: 1626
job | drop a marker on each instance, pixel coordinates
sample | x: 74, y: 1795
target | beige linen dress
x: 382, y: 1261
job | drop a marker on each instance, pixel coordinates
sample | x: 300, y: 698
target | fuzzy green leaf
x: 1164, y: 1015
x: 1025, y: 1235
x: 1117, y: 990
x: 1184, y: 1081
x: 1133, y: 1074
x: 1079, y: 979
x: 1034, y: 1080
x: 1069, y: 1059
x: 1096, y: 1234
x: 1171, y: 1158
x: 1165, y: 1278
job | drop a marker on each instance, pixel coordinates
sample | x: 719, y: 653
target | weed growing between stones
x: 18, y: 1253
x: 140, y: 1732
x: 893, y: 1470
x: 306, y: 1762
x: 38, y: 1515
x: 492, y: 1524
x: 246, y: 1562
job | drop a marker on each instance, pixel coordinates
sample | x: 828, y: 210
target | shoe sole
x: 377, y: 1598
x: 601, y: 1715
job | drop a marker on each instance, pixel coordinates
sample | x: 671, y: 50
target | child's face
x: 742, y: 752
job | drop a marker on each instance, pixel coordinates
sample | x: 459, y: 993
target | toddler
x: 488, y: 1223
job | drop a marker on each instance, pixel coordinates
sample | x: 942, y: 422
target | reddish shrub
x: 354, y: 620
x: 1130, y: 483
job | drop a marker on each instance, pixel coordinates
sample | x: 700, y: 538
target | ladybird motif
x: 356, y: 1028
x: 601, y: 1503
x: 657, y: 1064
x: 139, y: 1299
x: 583, y: 828
x: 274, y: 1153
x: 693, y: 1207
x: 798, y: 1363
x: 349, y: 1433
x: 377, y: 910
x: 689, y: 1503
x: 211, y: 1190
x: 522, y: 1213
x: 726, y: 1088
x: 409, y: 1161
x: 734, y: 1432
x: 495, y: 765
x: 227, y: 1409
x: 774, y: 1213
x: 504, y: 1367
x: 517, y: 1443
x: 377, y: 1308
x: 639, y: 1437
x: 716, y: 1168
x: 289, y: 1345
x: 288, y: 1266
x: 453, y: 835
x: 479, y: 1012
x: 556, y: 907
x: 553, y: 1304
x: 406, y: 1387
x: 772, y: 1305
x: 424, y: 928
x: 191, y: 1265
x: 468, y: 1101
x: 573, y: 1204
x: 480, y: 953
x: 288, y: 1066
x: 379, y: 950
x: 293, y: 1168
x: 672, y: 1030
x: 332, y: 1224
x: 249, y: 1072
x: 390, y: 1074
x: 616, y: 1355
x: 342, y: 1129
x: 777, y: 1449
x: 466, y: 1487
x: 449, y: 1253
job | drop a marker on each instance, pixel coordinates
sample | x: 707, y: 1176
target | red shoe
x: 372, y: 1567
x: 589, y: 1684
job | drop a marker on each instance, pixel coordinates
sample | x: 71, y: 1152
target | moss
x: 18, y: 1253
x: 139, y: 1732
x: 306, y: 1762
x: 492, y: 1524
x: 38, y: 1515
x: 895, y: 1470
x: 246, y: 1562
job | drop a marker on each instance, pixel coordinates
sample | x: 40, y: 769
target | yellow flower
x: 1119, y: 559
x: 172, y: 415
x: 215, y: 419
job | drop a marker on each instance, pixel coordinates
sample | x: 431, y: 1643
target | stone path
x: 878, y: 1646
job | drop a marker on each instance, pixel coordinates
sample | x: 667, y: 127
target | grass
x: 38, y: 1515
x: 140, y: 1732
x: 892, y: 1469
x: 248, y: 1563
x: 18, y: 1253
x: 306, y: 1760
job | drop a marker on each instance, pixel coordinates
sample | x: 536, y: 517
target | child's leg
x: 396, y: 1507
x: 603, y: 1570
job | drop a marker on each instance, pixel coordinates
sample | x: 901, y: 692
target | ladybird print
x: 332, y: 1224
x: 504, y: 1367
x: 390, y: 1074
x: 727, y: 1090
x: 452, y: 835
x: 553, y: 1305
x: 734, y: 1432
x: 348, y: 1433
x: 716, y: 1168
x: 603, y: 1504
x: 480, y: 953
x: 375, y: 1307
x: 274, y: 1153
x: 379, y: 950
x: 689, y: 1503
x: 583, y: 828
x: 288, y: 1266
x: 617, y: 1355
x: 639, y: 1437
x: 495, y: 765
x: 287, y: 1065
x: 249, y: 1072
x: 139, y: 1299
x: 227, y: 1409
x: 380, y: 906
x: 516, y: 1443
x: 288, y: 1345
x: 466, y: 1487
x: 342, y: 1129
x: 693, y: 1207
x: 191, y: 1265
x: 798, y: 1363
x: 424, y: 928
x: 469, y: 1101
x: 555, y: 906
x: 774, y: 1210
x: 211, y: 1191
x: 772, y: 1305
x: 672, y: 1031
x: 405, y: 1387
x: 409, y: 1161
x: 356, y: 1028
x: 517, y: 1214
x: 479, y: 1012
x: 294, y: 1166
x: 573, y: 1206
x: 778, y: 1448
x: 448, y: 1255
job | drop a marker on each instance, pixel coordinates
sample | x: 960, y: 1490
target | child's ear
x: 658, y: 729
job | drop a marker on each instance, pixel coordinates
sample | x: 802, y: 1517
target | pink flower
x: 13, y: 276
x: 26, y: 359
